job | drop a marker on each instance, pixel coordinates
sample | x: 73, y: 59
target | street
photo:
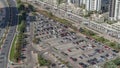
x: 12, y: 30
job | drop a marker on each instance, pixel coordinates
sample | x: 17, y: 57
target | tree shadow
x: 6, y: 18
x: 11, y: 17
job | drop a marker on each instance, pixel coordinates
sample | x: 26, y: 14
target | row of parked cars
x: 81, y: 50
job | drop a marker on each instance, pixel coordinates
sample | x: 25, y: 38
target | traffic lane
x: 8, y: 40
x: 12, y: 31
x: 3, y: 60
x: 6, y: 19
x: 7, y: 44
x: 6, y: 47
x: 14, y: 16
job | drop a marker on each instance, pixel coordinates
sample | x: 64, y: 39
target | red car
x: 69, y: 50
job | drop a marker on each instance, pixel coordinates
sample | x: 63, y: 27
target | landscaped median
x: 13, y: 49
x: 19, y: 41
x: 17, y: 44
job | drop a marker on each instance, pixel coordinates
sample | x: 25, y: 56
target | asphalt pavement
x: 13, y: 18
x: 4, y: 21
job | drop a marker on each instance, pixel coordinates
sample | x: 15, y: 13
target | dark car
x: 115, y: 51
x: 83, y: 65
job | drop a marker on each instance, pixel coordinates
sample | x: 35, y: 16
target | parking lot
x: 80, y: 50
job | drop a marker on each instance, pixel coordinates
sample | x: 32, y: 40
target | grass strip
x: 13, y: 49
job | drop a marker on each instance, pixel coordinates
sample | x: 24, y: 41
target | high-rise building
x: 88, y: 4
x: 114, y: 9
x: 93, y: 5
x: 84, y: 1
x: 77, y: 2
x: 105, y: 5
x: 68, y: 1
x: 117, y: 10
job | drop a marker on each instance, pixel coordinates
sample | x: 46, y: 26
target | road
x: 13, y: 18
x: 4, y: 21
x: 3, y: 25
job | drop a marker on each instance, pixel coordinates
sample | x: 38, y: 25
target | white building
x: 84, y: 1
x: 77, y: 2
x: 117, y: 10
x: 69, y: 1
x: 114, y: 10
x: 93, y: 5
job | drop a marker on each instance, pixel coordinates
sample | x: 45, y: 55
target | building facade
x: 105, y: 5
x: 77, y: 3
x: 114, y: 9
x: 93, y: 5
x: 117, y: 10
